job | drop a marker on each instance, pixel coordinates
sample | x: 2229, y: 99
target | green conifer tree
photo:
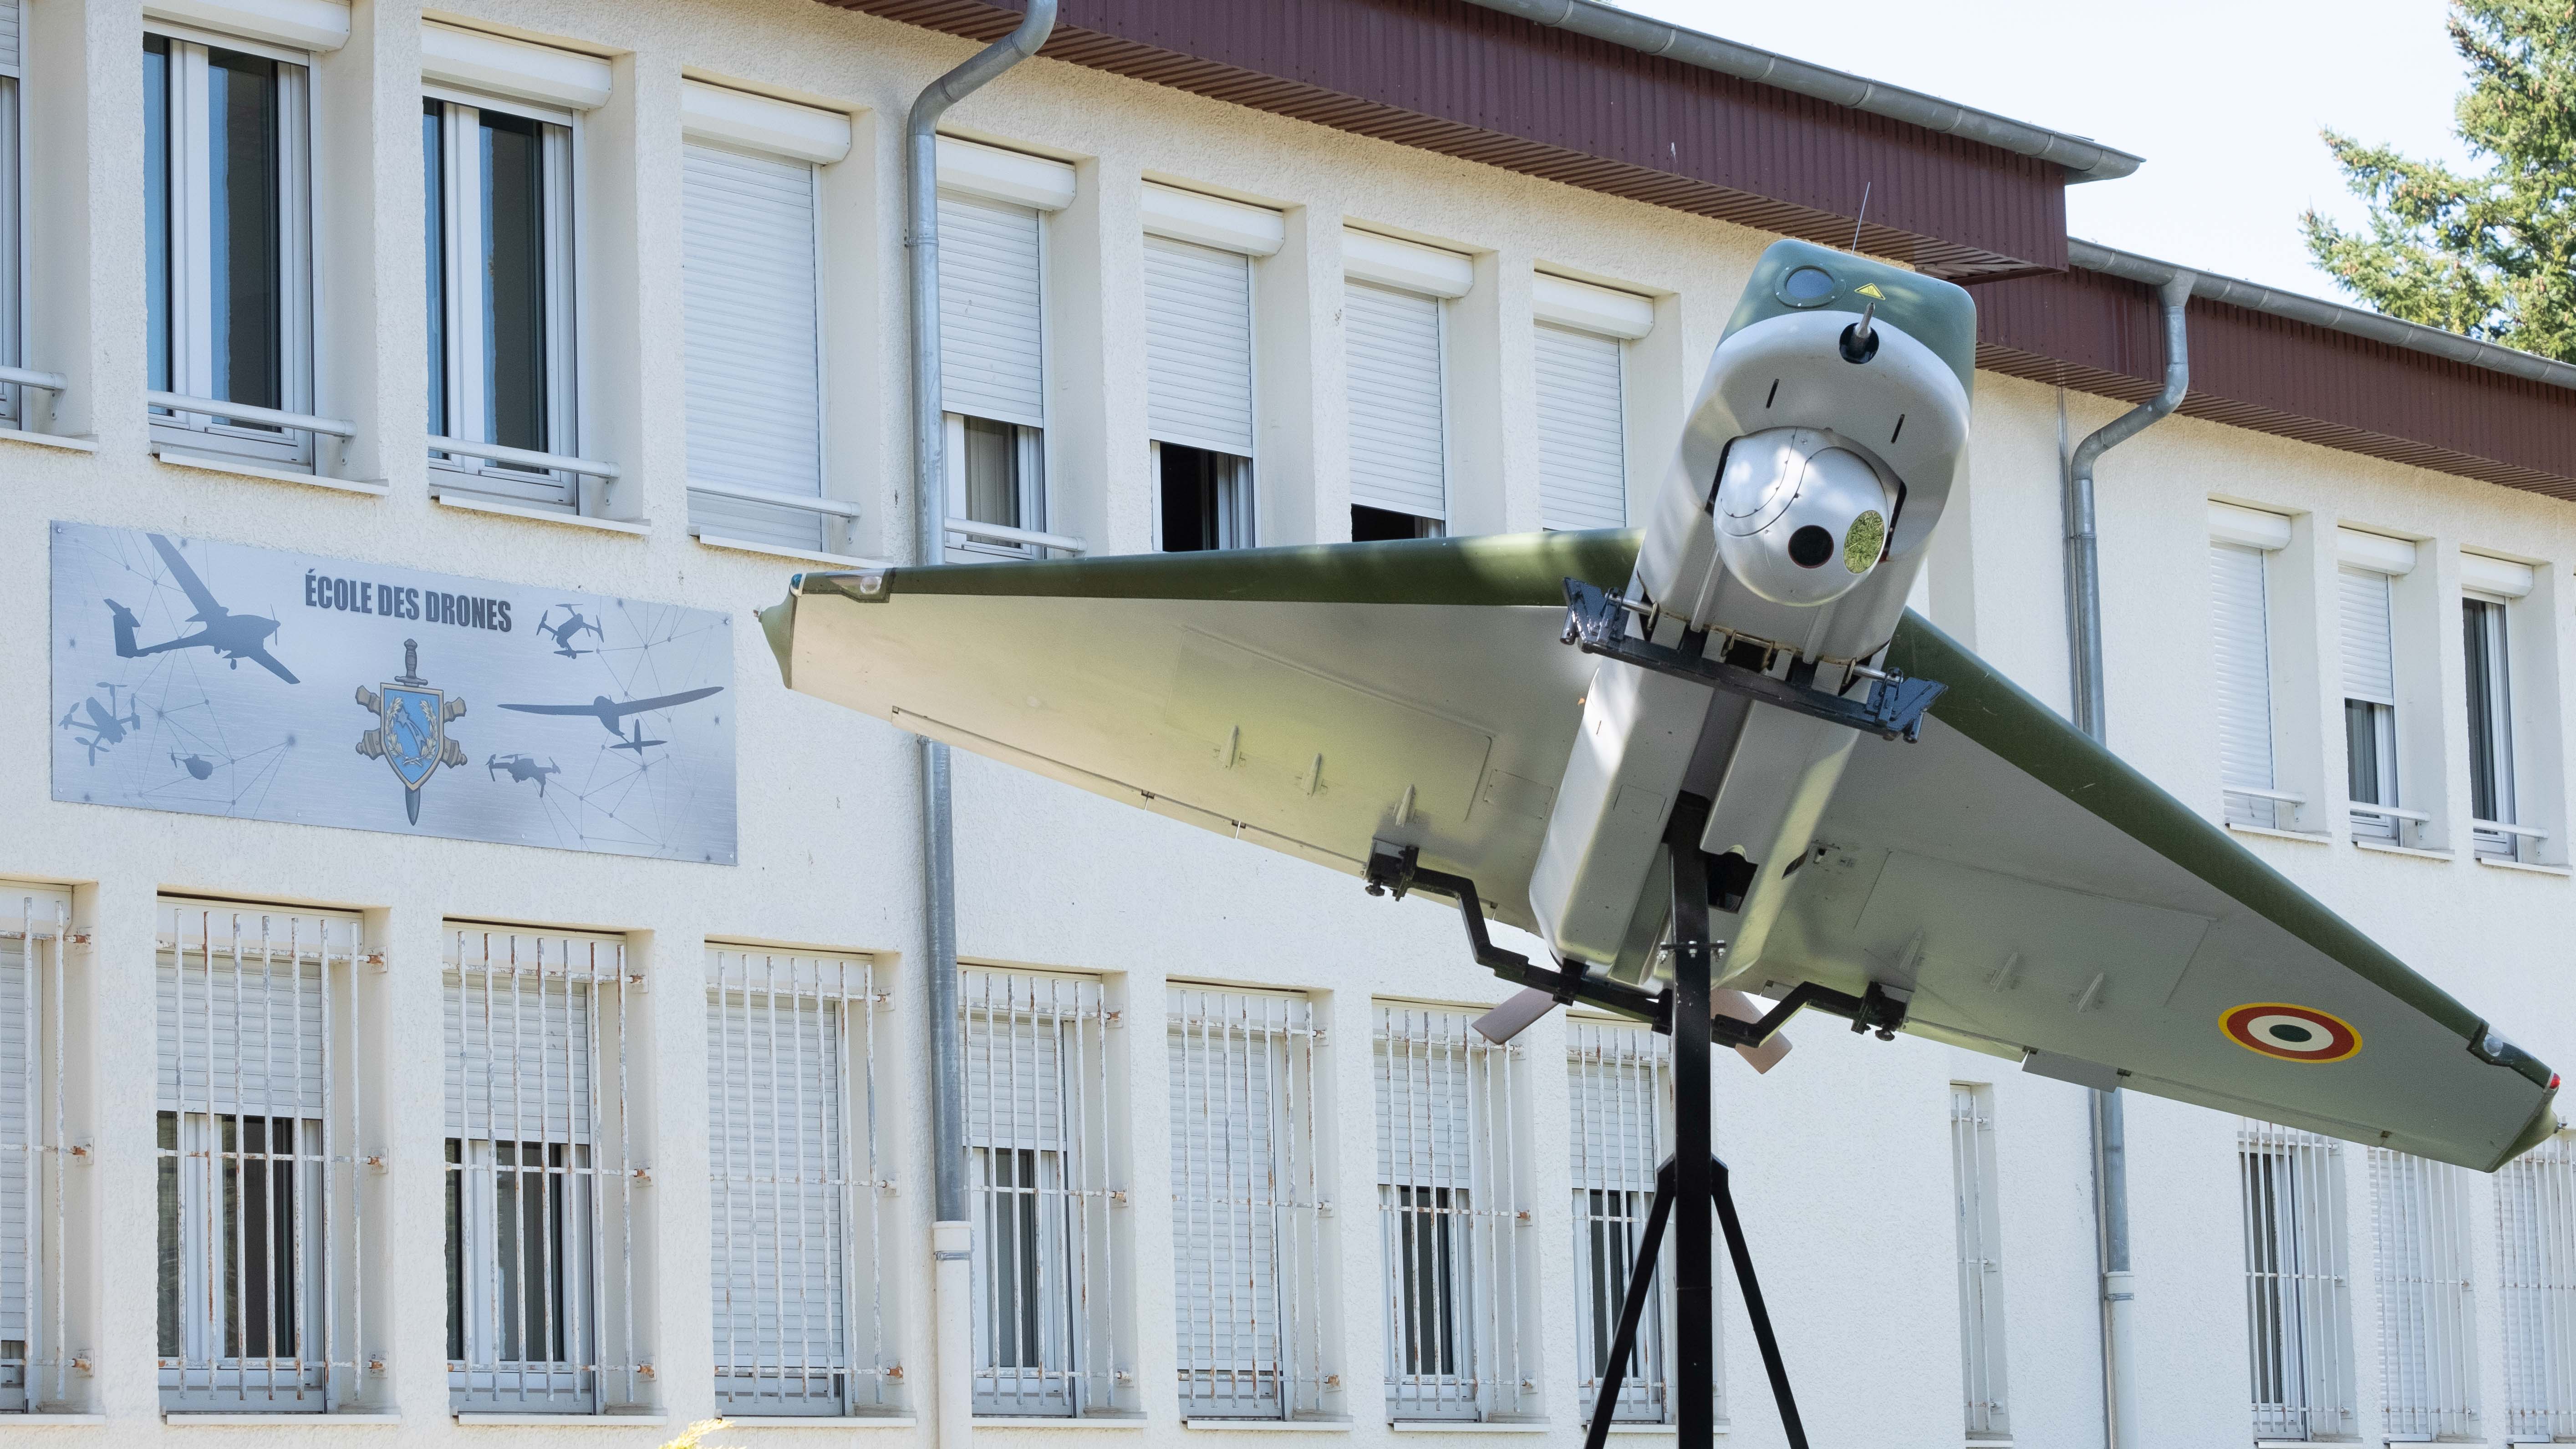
x: 2491, y: 255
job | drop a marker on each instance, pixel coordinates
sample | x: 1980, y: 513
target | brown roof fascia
x: 2101, y: 334
x: 1468, y: 82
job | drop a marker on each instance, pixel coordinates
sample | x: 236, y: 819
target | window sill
x: 568, y: 1421
x: 53, y: 1421
x: 2420, y: 853
x: 209, y: 463
x: 2532, y: 867
x: 2311, y: 837
x: 213, y: 1418
x: 637, y: 527
x: 1469, y: 1426
x: 72, y: 445
x: 819, y: 1421
x: 780, y: 550
x: 1049, y: 1421
x: 1270, y: 1426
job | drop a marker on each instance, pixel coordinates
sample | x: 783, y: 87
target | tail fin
x: 124, y: 618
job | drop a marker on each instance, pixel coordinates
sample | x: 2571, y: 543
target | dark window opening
x: 1376, y: 525
x: 1204, y: 500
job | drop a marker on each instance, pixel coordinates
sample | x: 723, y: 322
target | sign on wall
x: 217, y: 679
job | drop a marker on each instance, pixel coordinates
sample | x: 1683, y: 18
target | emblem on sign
x: 2290, y: 1033
x: 411, y: 728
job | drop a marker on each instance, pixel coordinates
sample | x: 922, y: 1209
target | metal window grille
x: 261, y: 1302
x: 540, y: 1174
x: 2297, y: 1298
x: 796, y: 1183
x: 35, y: 1372
x: 1618, y: 1078
x: 1450, y: 1218
x: 2536, y: 1243
x: 1247, y: 1264
x: 1981, y: 1285
x: 2428, y: 1372
x: 1037, y: 1125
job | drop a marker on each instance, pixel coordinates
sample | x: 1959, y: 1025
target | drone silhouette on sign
x: 569, y: 628
x: 522, y: 768
x: 233, y: 637
x: 106, y: 727
x: 610, y: 711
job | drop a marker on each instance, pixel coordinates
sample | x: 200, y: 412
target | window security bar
x: 1038, y: 1115
x: 1024, y: 537
x: 1246, y: 1204
x: 2536, y: 1252
x: 34, y: 1150
x: 800, y: 1316
x: 2527, y: 832
x: 2298, y: 1302
x: 1620, y: 1078
x: 1984, y: 1384
x: 540, y: 1175
x: 2391, y: 812
x: 831, y: 507
x: 2285, y: 797
x: 29, y: 377
x: 525, y: 458
x: 234, y: 412
x: 2428, y: 1317
x: 1449, y: 1218
x: 262, y: 1233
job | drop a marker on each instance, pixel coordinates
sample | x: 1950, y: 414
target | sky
x: 2224, y: 99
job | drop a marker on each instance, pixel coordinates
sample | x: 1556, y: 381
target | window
x: 1449, y: 1213
x: 257, y: 1098
x: 2490, y: 679
x: 1974, y: 1178
x: 1399, y: 411
x: 227, y: 243
x: 1582, y: 430
x: 2240, y: 638
x: 1619, y: 1077
x: 2297, y: 1308
x: 1247, y: 1267
x: 1037, y: 1123
x: 992, y: 367
x: 14, y: 412
x: 755, y: 364
x: 2536, y: 1249
x: 795, y: 1178
x: 540, y: 1175
x: 499, y: 187
x: 35, y: 1372
x: 1198, y: 389
x: 2369, y: 704
x: 2428, y: 1376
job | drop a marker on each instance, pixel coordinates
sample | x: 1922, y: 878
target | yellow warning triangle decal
x: 1869, y: 289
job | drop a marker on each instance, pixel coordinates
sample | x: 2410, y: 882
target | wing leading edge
x: 2038, y: 895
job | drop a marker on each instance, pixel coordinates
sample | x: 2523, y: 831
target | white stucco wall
x: 1841, y: 1155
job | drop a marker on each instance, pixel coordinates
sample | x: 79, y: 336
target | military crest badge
x: 411, y: 728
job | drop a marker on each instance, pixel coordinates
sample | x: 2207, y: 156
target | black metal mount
x: 1596, y: 622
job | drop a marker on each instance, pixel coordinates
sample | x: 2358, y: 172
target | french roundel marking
x: 2290, y: 1033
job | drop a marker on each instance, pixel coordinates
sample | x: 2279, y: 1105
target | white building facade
x: 381, y: 1132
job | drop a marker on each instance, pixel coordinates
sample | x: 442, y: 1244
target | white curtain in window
x: 1399, y: 440
x: 991, y: 314
x: 1582, y: 430
x: 2240, y: 643
x: 1198, y: 346
x: 755, y: 394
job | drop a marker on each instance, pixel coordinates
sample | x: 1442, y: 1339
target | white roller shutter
x: 1399, y: 442
x: 9, y: 42
x: 519, y: 1042
x: 35, y: 920
x: 991, y: 315
x: 1233, y: 1060
x: 755, y: 388
x: 2369, y: 653
x: 2239, y: 636
x: 1198, y: 346
x: 1582, y: 431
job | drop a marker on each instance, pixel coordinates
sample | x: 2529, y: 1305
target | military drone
x: 1714, y: 765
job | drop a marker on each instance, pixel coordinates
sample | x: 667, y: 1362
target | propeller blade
x: 1514, y: 1016
x: 1736, y: 1006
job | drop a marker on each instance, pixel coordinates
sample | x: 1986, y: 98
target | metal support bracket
x: 1597, y: 623
x: 1397, y: 870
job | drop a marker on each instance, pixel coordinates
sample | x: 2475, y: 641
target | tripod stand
x: 1692, y: 1181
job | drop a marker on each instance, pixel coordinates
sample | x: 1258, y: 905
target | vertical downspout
x: 2084, y: 653
x: 952, y: 1234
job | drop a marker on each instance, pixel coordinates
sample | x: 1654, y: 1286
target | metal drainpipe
x: 2120, y: 1404
x: 952, y: 1234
